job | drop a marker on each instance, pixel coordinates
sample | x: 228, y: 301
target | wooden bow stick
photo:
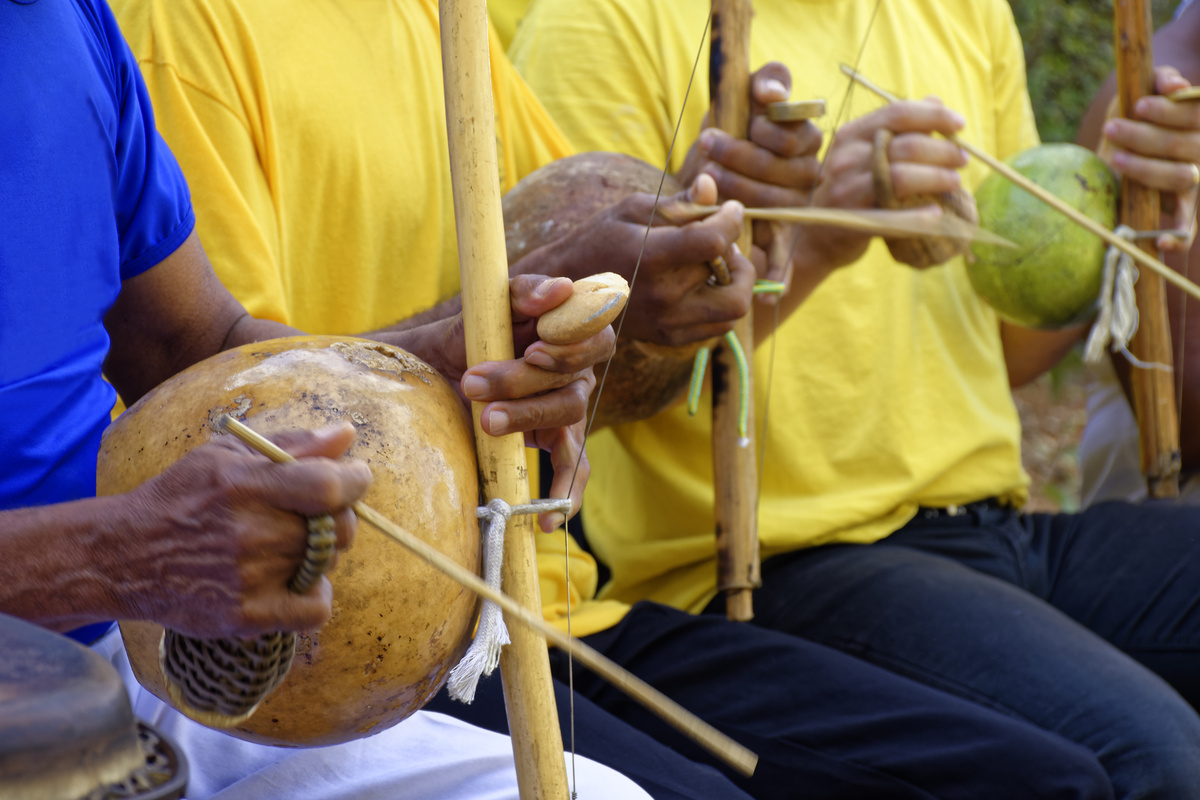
x: 735, y: 473
x: 684, y: 721
x: 1133, y: 251
x: 1153, y: 389
x: 904, y: 223
x: 483, y: 267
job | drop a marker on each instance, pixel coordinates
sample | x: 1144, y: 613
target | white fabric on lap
x: 427, y: 756
x: 1109, y: 461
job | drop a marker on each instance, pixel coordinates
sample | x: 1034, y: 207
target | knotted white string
x: 1118, y: 317
x: 483, y: 655
x: 1117, y: 321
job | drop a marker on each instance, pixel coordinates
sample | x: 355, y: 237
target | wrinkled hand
x: 920, y: 164
x: 672, y: 301
x: 218, y: 536
x: 544, y: 394
x: 775, y: 165
x: 1161, y: 149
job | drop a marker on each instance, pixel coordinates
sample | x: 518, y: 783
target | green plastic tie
x: 699, y: 366
x: 769, y: 287
x: 739, y: 355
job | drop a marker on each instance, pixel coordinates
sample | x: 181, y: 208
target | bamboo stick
x: 1136, y: 253
x: 671, y: 712
x: 735, y: 473
x: 483, y: 266
x: 1153, y: 389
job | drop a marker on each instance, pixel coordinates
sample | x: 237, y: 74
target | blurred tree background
x: 1068, y: 53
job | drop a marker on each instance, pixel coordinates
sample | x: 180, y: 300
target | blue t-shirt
x: 89, y: 196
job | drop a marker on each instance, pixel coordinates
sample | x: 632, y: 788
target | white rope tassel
x: 483, y: 655
x: 1117, y: 321
x: 1118, y: 318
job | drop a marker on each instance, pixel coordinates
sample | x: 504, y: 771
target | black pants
x: 1042, y: 617
x: 824, y: 724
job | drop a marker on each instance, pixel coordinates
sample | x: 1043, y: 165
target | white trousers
x: 428, y: 756
x: 1109, y: 461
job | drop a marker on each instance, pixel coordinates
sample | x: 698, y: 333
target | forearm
x: 58, y: 569
x: 1028, y: 353
x: 248, y: 330
x: 642, y: 380
x: 444, y: 310
x: 434, y: 342
x: 172, y: 316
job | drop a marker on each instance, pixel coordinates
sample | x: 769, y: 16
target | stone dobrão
x: 398, y: 626
x: 560, y: 198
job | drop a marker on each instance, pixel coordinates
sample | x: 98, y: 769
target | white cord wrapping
x: 1117, y: 321
x: 1118, y: 318
x: 483, y: 655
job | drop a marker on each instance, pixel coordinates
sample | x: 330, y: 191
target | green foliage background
x: 1068, y: 53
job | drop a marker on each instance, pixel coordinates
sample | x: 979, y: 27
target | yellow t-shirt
x: 313, y: 137
x: 506, y: 16
x: 889, y: 388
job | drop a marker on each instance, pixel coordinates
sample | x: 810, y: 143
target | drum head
x: 67, y: 729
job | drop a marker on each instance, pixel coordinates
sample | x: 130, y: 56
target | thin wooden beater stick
x: 1130, y: 249
x: 902, y: 223
x: 687, y: 723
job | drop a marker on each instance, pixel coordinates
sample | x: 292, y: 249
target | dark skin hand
x: 674, y: 306
x: 222, y: 529
x: 775, y: 165
x: 672, y: 301
x: 552, y: 384
x: 1178, y: 43
x: 919, y: 162
x: 207, y: 547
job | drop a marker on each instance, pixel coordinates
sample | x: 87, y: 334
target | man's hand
x: 673, y: 301
x: 920, y: 164
x: 544, y: 393
x: 213, y: 541
x: 1161, y: 149
x: 776, y: 165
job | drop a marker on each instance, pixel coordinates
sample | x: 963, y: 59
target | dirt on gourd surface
x: 1053, y: 414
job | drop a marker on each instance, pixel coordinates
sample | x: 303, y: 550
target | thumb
x: 534, y: 295
x: 330, y: 441
x: 772, y: 83
x: 703, y: 190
